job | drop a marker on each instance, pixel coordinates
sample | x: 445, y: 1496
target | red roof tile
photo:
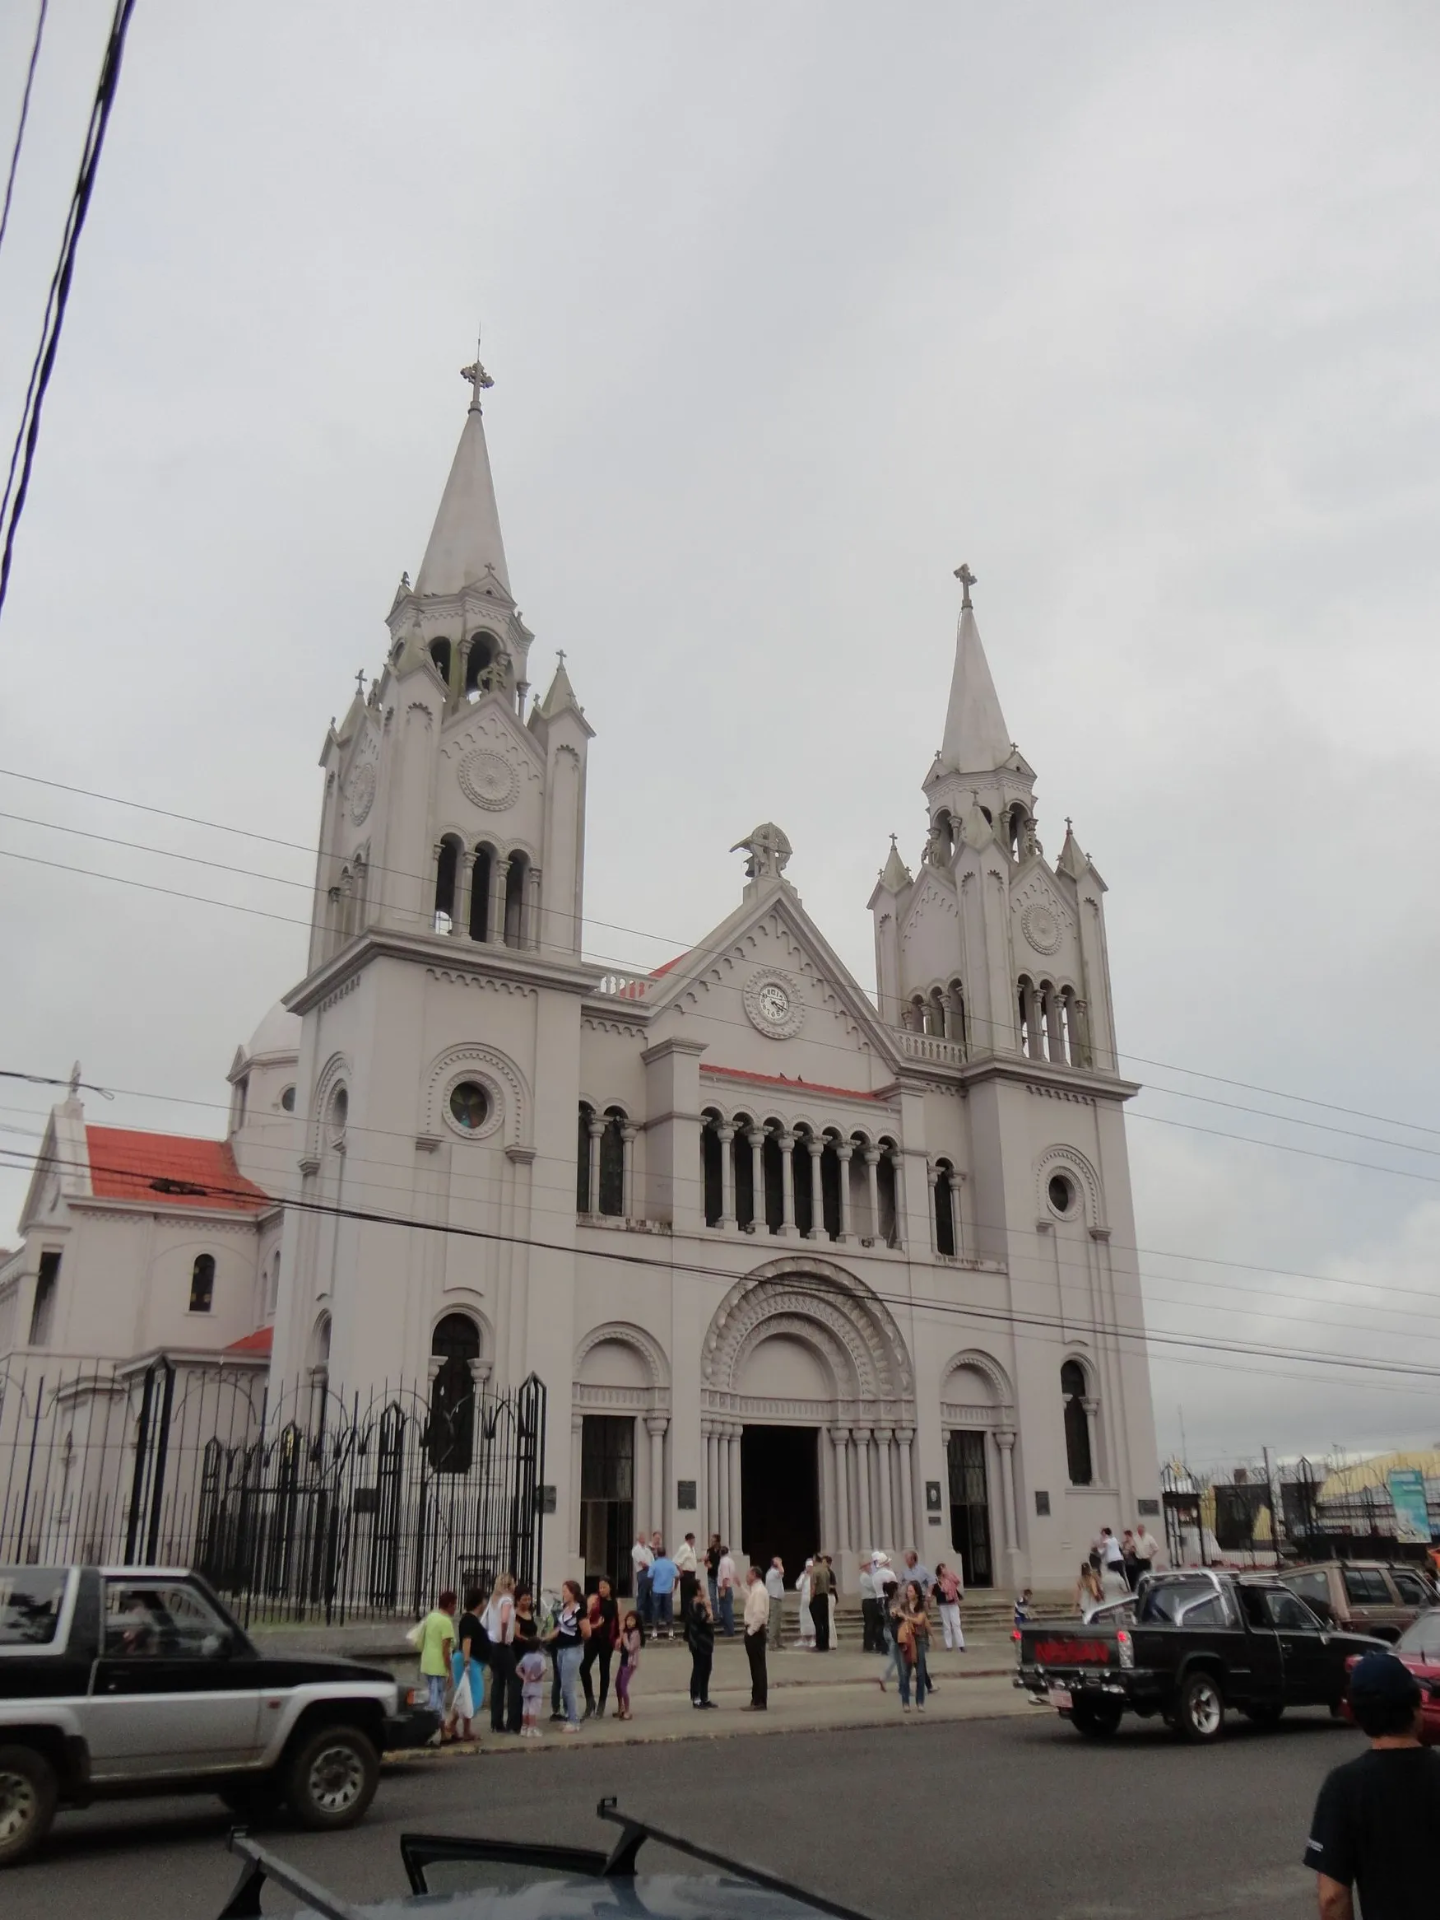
x: 260, y: 1341
x: 658, y: 973
x: 125, y: 1165
x: 800, y: 1086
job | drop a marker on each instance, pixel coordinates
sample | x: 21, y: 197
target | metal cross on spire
x: 360, y: 681
x: 967, y: 580
x: 476, y: 375
x: 560, y: 657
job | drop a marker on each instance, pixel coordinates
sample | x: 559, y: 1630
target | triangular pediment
x: 771, y: 940
x: 491, y: 721
x: 1044, y: 918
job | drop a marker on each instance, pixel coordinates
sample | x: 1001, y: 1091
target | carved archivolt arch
x: 461, y: 1301
x: 336, y: 1072
x: 501, y: 1079
x: 626, y: 1334
x: 988, y: 1368
x: 1066, y: 1159
x: 820, y: 1337
x: 829, y: 1298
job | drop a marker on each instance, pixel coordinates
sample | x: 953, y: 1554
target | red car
x: 1419, y: 1648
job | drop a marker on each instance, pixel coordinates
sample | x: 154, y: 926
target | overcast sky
x: 789, y: 311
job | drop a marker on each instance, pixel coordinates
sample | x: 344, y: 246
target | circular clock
x: 773, y: 1004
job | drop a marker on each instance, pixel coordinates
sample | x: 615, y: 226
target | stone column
x: 756, y: 1138
x: 839, y: 1436
x: 722, y: 1480
x: 909, y: 1520
x: 786, y: 1144
x: 872, y: 1180
x: 817, y: 1189
x: 842, y: 1153
x: 726, y: 1134
x: 1092, y: 1427
x: 530, y: 910
x: 577, y: 1422
x: 596, y: 1127
x: 499, y: 870
x: 862, y: 1487
x: 885, y: 1519
x: 1054, y: 1026
x: 736, y: 1517
x: 627, y: 1178
x: 897, y: 1161
x: 1005, y: 1441
x: 712, y: 1483
x: 655, y: 1426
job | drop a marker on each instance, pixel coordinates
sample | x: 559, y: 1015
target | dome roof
x: 278, y: 1032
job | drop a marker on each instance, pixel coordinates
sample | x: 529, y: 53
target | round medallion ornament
x: 773, y: 1004
x: 488, y: 779
x: 1040, y: 928
x: 362, y: 795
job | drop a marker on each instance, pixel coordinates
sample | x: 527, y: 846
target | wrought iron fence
x: 322, y: 1505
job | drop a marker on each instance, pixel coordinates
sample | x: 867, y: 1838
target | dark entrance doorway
x: 780, y: 1495
x: 607, y: 1498
x: 970, y: 1508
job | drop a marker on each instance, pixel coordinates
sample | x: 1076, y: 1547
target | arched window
x: 456, y: 1343
x: 485, y: 669
x: 1077, y: 1425
x: 585, y: 1198
x: 915, y: 1014
x: 480, y: 879
x: 944, y: 1209
x: 955, y: 1022
x: 1015, y: 833
x: 612, y: 1164
x: 943, y: 840
x: 516, y: 913
x: 272, y: 1294
x: 339, y: 1115
x: 440, y: 654
x: 771, y: 1163
x: 885, y: 1185
x: 1029, y: 1017
x: 712, y: 1176
x: 447, y: 878
x: 803, y: 1177
x: 830, y: 1170
x: 202, y: 1284
x: 861, y: 1225
x: 320, y: 1346
x: 744, y: 1172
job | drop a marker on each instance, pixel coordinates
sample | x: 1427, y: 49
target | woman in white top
x: 807, y: 1625
x: 499, y: 1625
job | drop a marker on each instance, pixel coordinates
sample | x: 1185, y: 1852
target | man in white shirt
x: 641, y: 1560
x: 869, y: 1606
x: 687, y: 1565
x: 726, y: 1581
x: 1149, y: 1554
x: 775, y: 1589
x: 757, y: 1620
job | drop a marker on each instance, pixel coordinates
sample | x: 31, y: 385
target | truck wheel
x: 1264, y: 1713
x: 28, y: 1792
x: 332, y: 1779
x: 1200, y: 1710
x: 1096, y: 1720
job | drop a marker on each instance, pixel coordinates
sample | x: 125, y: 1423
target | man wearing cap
x: 1376, y: 1818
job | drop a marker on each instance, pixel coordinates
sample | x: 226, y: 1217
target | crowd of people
x: 507, y: 1643
x: 1115, y: 1566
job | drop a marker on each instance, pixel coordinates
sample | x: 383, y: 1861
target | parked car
x: 460, y: 1877
x: 135, y: 1680
x: 1203, y: 1641
x: 1362, y: 1596
x: 1419, y: 1648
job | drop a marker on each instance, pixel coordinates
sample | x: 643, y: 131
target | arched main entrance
x: 808, y: 1418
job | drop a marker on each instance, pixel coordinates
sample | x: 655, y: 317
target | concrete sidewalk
x: 807, y: 1691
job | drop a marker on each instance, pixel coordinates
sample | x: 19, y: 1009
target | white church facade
x: 797, y: 1265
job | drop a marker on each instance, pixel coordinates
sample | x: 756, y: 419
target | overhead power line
x: 27, y: 434
x: 24, y: 117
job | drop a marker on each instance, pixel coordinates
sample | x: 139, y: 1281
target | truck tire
x: 1097, y: 1720
x: 28, y: 1792
x: 331, y: 1779
x: 1200, y: 1707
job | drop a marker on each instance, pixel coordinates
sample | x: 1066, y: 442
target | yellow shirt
x: 439, y: 1628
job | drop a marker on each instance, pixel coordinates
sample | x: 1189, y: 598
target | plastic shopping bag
x: 416, y: 1634
x: 463, y: 1705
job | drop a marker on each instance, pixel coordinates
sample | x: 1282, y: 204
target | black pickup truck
x: 1201, y: 1641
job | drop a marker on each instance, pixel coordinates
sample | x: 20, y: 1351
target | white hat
x: 881, y: 1559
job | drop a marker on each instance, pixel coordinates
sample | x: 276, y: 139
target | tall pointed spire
x: 976, y: 737
x: 466, y: 542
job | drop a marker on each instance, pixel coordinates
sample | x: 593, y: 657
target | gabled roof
x: 260, y: 1341
x: 191, y: 1174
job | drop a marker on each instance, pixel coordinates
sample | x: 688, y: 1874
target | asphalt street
x: 1006, y: 1819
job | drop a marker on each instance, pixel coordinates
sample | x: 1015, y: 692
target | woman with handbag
x: 572, y: 1630
x: 912, y: 1633
x: 469, y: 1675
x: 949, y: 1589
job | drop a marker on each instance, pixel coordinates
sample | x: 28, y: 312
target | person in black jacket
x: 700, y: 1638
x: 604, y: 1634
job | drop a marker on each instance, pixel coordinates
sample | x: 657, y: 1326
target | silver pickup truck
x: 133, y: 1680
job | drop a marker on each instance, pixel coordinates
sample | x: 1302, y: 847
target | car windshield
x: 1422, y: 1636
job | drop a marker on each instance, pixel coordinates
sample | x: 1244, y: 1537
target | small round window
x: 1062, y: 1192
x: 287, y: 1100
x: 469, y: 1105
